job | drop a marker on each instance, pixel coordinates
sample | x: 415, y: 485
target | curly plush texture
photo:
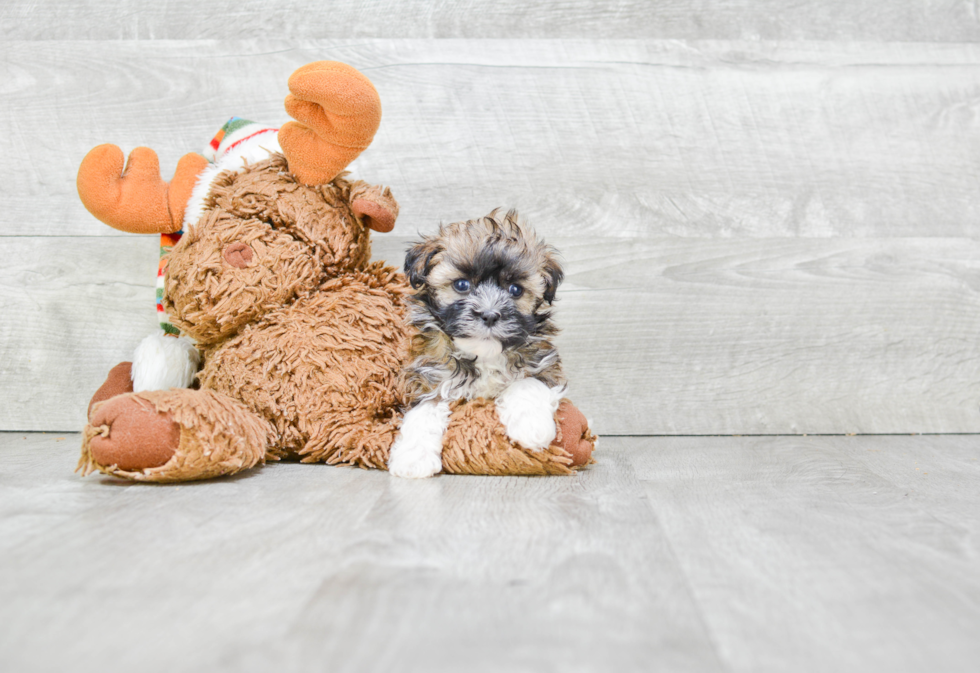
x: 324, y: 369
x: 304, y: 341
x: 475, y: 443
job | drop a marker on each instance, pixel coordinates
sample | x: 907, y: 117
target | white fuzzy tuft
x: 527, y: 410
x: 493, y: 372
x: 482, y: 349
x: 248, y: 152
x: 417, y: 451
x: 161, y: 362
x: 195, y: 205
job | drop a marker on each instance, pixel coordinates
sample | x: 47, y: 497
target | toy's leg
x: 362, y: 440
x: 172, y: 435
x: 476, y: 442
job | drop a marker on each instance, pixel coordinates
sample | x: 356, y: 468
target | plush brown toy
x: 303, y: 338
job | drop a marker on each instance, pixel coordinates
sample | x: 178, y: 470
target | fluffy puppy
x: 482, y: 305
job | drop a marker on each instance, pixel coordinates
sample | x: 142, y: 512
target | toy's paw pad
x: 134, y: 434
x: 575, y: 434
x: 415, y: 465
x: 527, y: 411
x: 374, y: 215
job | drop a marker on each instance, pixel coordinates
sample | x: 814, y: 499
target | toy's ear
x: 374, y: 215
x: 553, y: 276
x: 419, y: 260
x: 375, y: 207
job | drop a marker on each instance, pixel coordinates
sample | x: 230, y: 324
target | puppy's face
x: 489, y: 279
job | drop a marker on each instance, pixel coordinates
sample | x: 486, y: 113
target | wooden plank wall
x: 767, y: 209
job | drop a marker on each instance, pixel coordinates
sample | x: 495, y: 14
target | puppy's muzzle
x: 489, y: 318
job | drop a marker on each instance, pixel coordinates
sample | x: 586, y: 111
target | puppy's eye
x: 515, y: 291
x: 461, y: 285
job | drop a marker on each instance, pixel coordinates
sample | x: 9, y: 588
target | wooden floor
x: 674, y: 554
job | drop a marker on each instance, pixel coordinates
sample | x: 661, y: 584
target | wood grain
x: 838, y: 20
x: 667, y: 336
x: 73, y: 308
x: 590, y: 137
x: 294, y: 566
x: 681, y: 554
x: 826, y: 550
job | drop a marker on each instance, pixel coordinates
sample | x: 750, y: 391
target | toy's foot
x: 133, y: 434
x: 576, y: 438
x: 172, y: 435
x: 119, y: 381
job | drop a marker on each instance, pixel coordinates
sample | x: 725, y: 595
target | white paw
x: 417, y: 451
x: 534, y: 432
x: 527, y: 410
x: 415, y: 465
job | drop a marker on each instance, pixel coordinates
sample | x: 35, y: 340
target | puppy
x: 482, y: 305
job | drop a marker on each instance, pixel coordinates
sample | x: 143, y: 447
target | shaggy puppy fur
x: 482, y: 306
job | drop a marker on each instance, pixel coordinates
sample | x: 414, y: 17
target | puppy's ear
x: 418, y: 261
x: 553, y: 276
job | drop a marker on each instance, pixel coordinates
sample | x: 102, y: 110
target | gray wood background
x: 768, y: 210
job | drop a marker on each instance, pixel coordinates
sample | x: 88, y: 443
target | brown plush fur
x: 304, y: 340
x: 308, y: 335
x: 475, y: 443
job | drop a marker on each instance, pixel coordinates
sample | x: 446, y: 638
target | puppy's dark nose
x: 489, y: 317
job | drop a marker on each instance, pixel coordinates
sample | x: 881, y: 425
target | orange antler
x: 136, y: 199
x: 337, y: 112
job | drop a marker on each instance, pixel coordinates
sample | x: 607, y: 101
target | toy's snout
x: 238, y: 254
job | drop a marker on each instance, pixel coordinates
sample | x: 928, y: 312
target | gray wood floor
x: 674, y: 554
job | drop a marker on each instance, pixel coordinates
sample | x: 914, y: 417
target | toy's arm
x: 374, y: 206
x: 476, y: 442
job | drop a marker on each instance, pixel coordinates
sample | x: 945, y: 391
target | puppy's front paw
x: 532, y: 431
x: 527, y: 410
x: 417, y: 451
x: 416, y: 465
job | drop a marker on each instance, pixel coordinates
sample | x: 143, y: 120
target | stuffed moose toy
x: 294, y: 341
